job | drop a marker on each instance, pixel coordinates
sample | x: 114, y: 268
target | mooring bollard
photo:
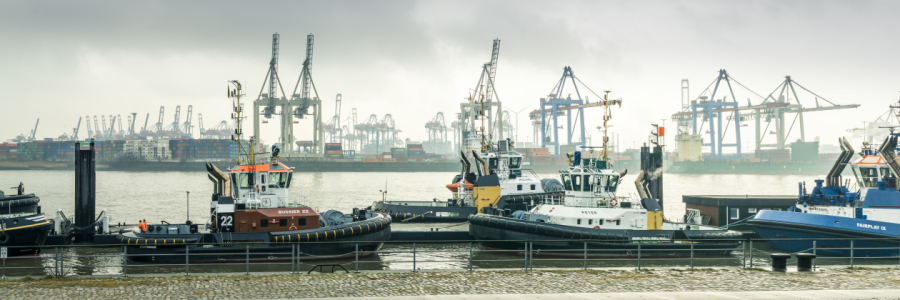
x: 804, y: 262
x: 779, y: 261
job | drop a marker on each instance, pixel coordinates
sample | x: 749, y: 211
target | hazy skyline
x: 64, y: 60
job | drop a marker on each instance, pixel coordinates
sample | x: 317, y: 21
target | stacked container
x: 415, y: 151
x: 399, y: 154
x: 334, y: 150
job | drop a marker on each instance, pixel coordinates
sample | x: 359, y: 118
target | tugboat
x: 519, y: 188
x: 831, y: 213
x: 22, y: 225
x: 593, y: 219
x: 251, y: 204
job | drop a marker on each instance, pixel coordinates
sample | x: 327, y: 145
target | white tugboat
x: 601, y: 221
x: 251, y: 203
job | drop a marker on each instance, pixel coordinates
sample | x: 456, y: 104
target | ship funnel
x: 487, y: 171
x: 888, y: 152
x: 641, y: 186
x: 466, y: 162
x: 834, y: 176
x: 216, y: 188
x: 224, y: 181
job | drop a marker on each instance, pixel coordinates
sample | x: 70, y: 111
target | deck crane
x: 478, y: 111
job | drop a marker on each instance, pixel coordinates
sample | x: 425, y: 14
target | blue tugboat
x: 830, y: 214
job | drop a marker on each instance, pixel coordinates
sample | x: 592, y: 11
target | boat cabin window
x: 587, y: 183
x: 244, y: 180
x: 579, y: 222
x: 576, y: 182
x: 282, y: 223
x: 533, y: 187
x: 278, y: 179
x: 870, y: 176
x: 493, y: 164
x: 888, y: 176
x: 567, y: 182
x: 611, y: 184
x: 301, y: 222
x: 515, y: 162
x: 264, y: 223
x: 263, y: 179
x: 519, y: 187
x: 590, y: 221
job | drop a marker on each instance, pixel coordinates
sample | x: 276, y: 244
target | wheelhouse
x: 262, y: 185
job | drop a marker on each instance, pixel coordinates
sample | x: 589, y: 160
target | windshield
x: 492, y: 164
x: 567, y: 182
x: 278, y: 179
x: 515, y: 162
x: 870, y: 176
x: 244, y: 181
x: 611, y: 184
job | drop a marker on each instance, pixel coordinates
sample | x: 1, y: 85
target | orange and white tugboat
x: 251, y: 203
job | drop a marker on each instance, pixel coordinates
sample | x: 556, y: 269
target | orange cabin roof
x: 273, y: 167
x: 870, y: 160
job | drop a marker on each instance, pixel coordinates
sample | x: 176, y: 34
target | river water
x: 156, y: 196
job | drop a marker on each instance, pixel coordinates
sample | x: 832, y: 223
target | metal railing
x: 120, y: 260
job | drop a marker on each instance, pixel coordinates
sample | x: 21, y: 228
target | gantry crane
x: 333, y: 131
x: 554, y: 106
x: 772, y: 108
x: 437, y: 141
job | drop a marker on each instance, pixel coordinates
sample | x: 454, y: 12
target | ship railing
x: 291, y: 258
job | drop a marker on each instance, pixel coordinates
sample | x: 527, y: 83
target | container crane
x: 98, y: 133
x: 437, y: 141
x: 333, y: 131
x: 75, y: 132
x: 87, y: 121
x: 186, y: 131
x: 772, y: 109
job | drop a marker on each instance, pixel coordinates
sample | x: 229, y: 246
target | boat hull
x: 367, y: 244
x: 547, y: 239
x: 26, y: 235
x: 310, y: 244
x: 830, y: 233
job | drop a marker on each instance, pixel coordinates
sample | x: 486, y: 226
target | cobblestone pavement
x: 445, y: 283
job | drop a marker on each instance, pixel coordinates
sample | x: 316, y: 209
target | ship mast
x: 606, y: 117
x: 236, y: 114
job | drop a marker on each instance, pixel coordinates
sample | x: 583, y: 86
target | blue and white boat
x: 831, y: 214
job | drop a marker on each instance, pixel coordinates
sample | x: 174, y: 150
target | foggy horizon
x: 413, y: 59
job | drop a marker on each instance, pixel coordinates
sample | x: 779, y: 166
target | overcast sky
x: 61, y: 60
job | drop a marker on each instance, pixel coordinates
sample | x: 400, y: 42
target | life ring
x: 292, y: 228
x: 613, y: 202
x: 596, y: 226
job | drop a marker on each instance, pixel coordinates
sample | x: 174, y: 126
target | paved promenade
x: 538, y: 284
